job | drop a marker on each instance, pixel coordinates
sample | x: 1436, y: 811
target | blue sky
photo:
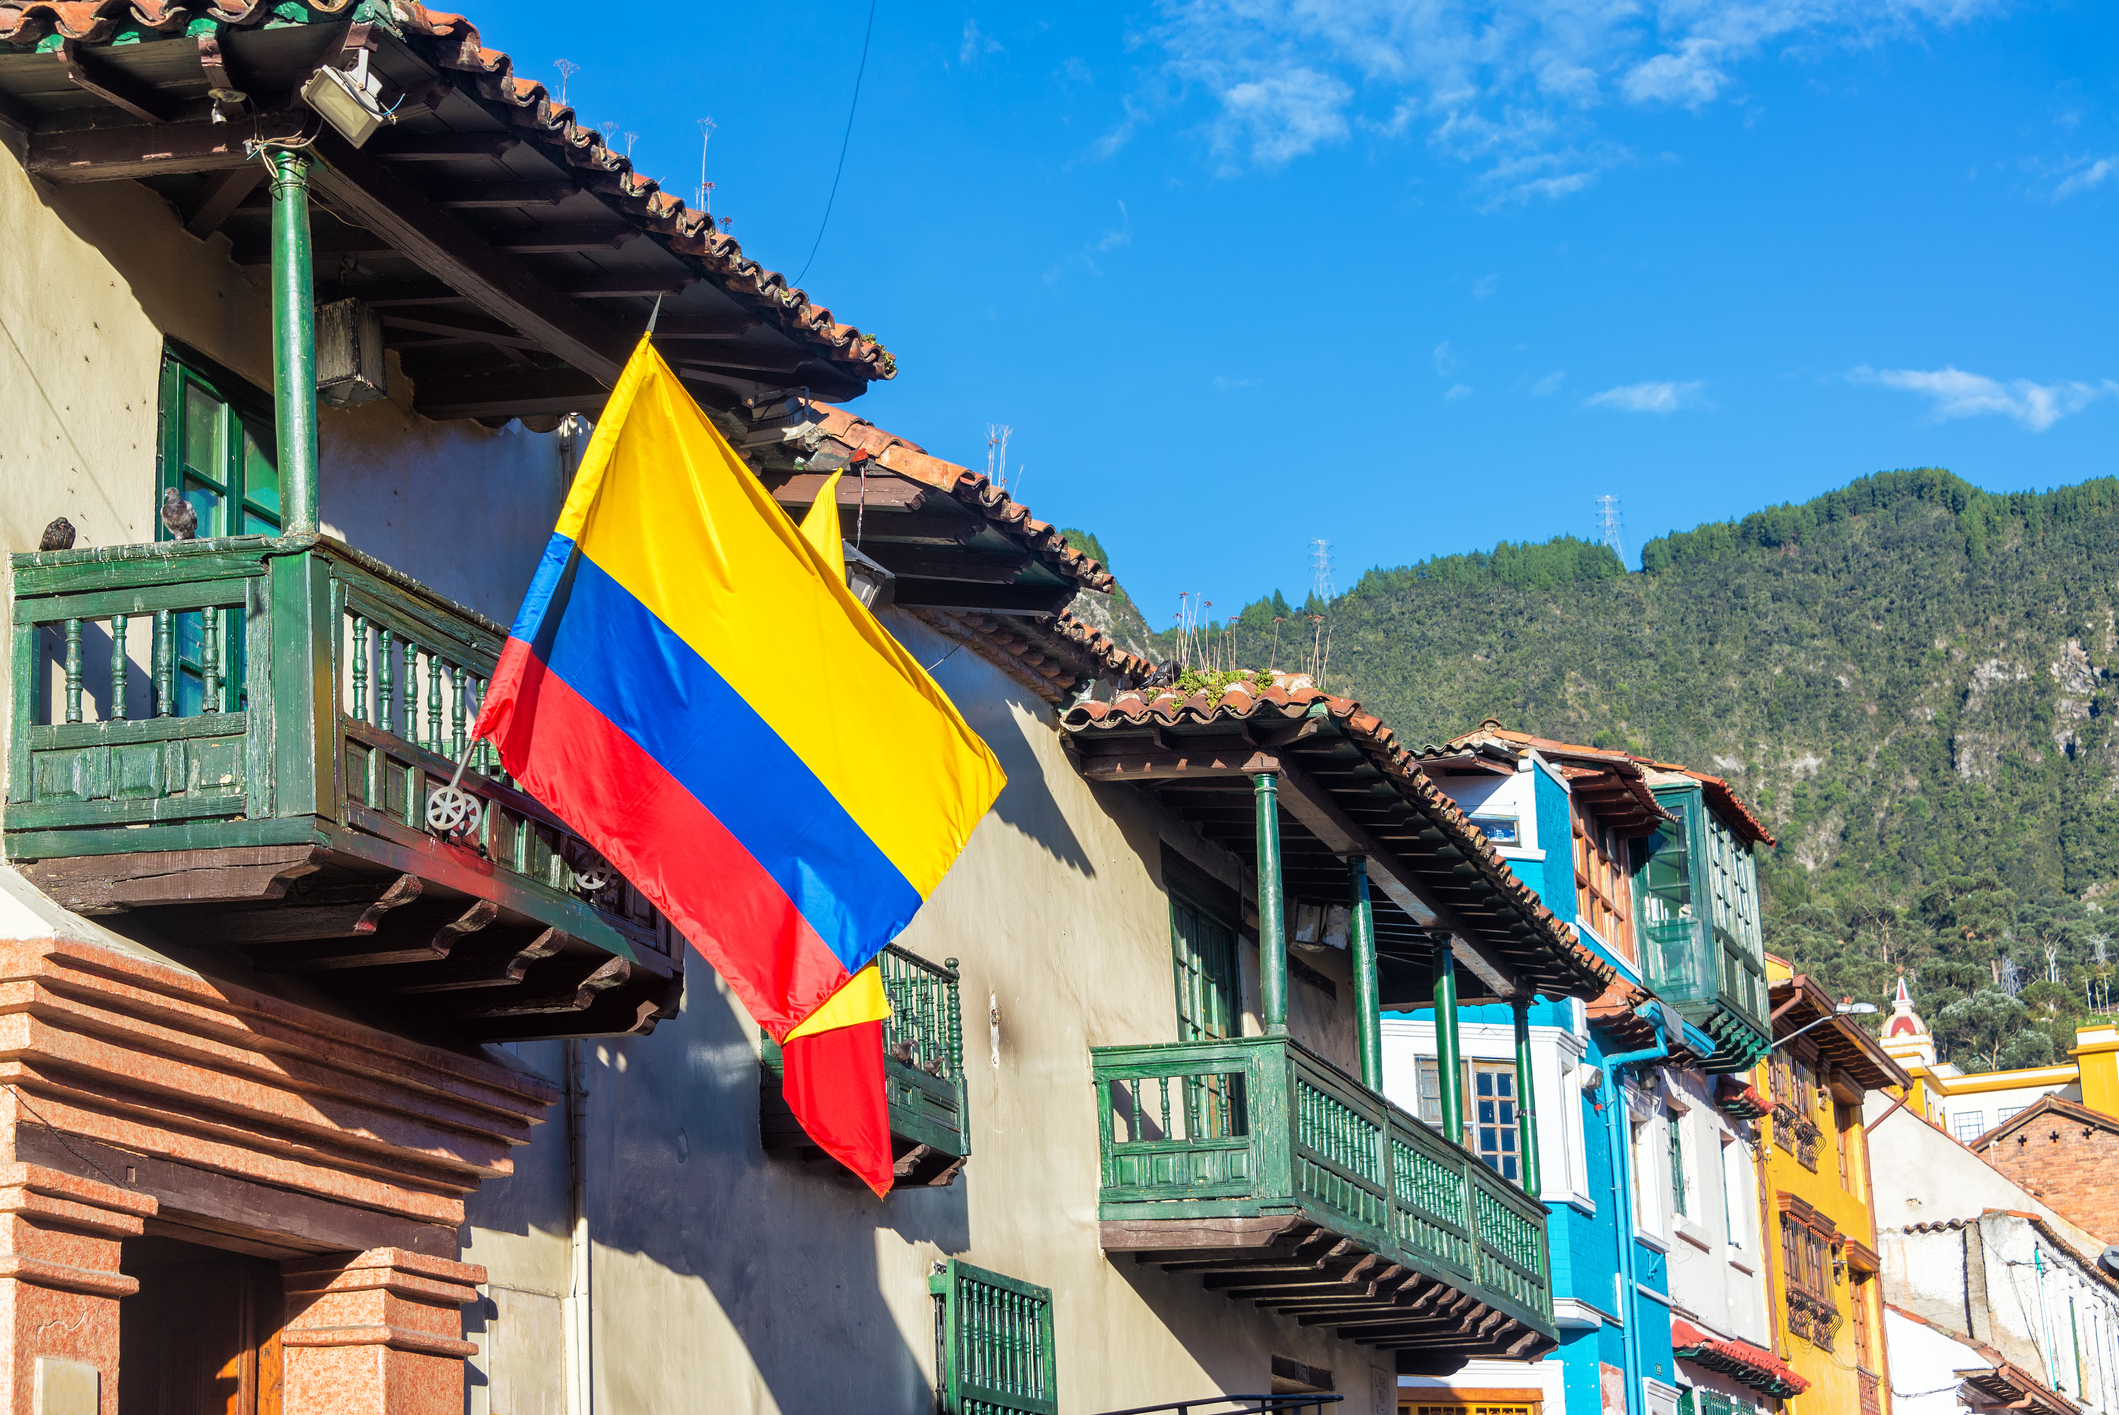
x: 1415, y: 277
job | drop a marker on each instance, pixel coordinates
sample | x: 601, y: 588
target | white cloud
x: 1549, y: 385
x: 1281, y: 116
x: 1485, y: 286
x: 1954, y: 393
x: 1647, y: 397
x: 1692, y: 75
x: 2087, y: 177
x: 1456, y: 392
x: 975, y: 44
x: 1123, y: 236
x: 1508, y: 87
x: 1446, y: 360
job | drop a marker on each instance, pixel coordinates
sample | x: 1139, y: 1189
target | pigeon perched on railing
x: 179, y: 517
x: 59, y: 535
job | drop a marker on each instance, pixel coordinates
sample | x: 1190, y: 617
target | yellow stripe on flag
x: 859, y: 999
x: 667, y: 509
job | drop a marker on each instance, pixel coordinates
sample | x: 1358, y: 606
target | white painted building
x: 1989, y: 1292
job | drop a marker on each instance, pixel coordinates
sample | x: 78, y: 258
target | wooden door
x: 201, y: 1337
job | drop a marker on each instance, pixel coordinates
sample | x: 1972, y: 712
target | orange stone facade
x: 275, y: 1190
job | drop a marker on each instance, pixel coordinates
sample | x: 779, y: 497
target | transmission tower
x: 1608, y: 524
x: 1321, y: 570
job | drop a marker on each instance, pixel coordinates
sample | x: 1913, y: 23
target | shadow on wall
x: 995, y: 706
x: 711, y: 1256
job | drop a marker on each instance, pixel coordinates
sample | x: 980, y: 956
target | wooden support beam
x: 1183, y: 758
x: 1032, y: 600
x: 93, y: 72
x: 464, y: 327
x: 503, y: 970
x: 631, y: 285
x: 578, y: 998
x: 562, y: 240
x: 923, y: 561
x: 496, y: 196
x: 439, y: 147
x: 222, y: 193
x: 419, y: 940
x: 1311, y: 804
x: 511, y: 393
x: 124, y: 154
x: 327, y: 238
x: 437, y: 244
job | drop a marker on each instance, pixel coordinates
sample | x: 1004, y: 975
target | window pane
x: 203, y: 452
x: 211, y: 505
x: 261, y: 485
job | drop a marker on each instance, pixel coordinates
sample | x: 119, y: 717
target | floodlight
x: 350, y: 102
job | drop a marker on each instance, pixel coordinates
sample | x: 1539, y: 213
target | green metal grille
x: 993, y: 1343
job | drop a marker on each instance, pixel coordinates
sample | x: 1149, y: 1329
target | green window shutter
x: 1204, y: 954
x: 216, y: 449
x: 993, y: 1343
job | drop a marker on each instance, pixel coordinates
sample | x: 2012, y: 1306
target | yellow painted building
x: 1815, y: 1191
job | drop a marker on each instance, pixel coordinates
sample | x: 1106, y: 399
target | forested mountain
x: 1909, y: 677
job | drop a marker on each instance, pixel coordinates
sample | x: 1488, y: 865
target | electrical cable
x: 840, y: 170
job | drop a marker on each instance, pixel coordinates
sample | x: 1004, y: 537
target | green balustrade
x: 923, y: 1072
x: 1254, y: 1126
x: 285, y: 751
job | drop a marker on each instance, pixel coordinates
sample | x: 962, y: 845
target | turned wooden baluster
x: 411, y: 692
x: 73, y: 670
x: 360, y: 668
x: 433, y: 703
x: 456, y: 713
x: 385, y: 696
x: 118, y: 668
x: 211, y: 656
x: 164, y: 667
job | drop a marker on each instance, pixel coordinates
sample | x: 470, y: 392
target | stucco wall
x: 730, y: 1282
x: 1920, y: 1175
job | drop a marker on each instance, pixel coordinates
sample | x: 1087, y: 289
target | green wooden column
x: 1361, y: 941
x: 294, y: 341
x: 1526, y: 1100
x: 1272, y: 925
x: 1449, y: 1053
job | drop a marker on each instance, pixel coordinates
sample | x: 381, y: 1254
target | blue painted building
x: 1642, y: 1149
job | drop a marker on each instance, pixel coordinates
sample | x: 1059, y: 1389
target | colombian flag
x: 691, y: 685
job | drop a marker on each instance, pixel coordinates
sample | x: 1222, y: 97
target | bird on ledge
x: 59, y: 535
x: 179, y: 517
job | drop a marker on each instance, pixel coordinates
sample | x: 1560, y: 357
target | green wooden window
x: 217, y: 450
x: 1696, y: 905
x: 1204, y: 951
x: 1680, y: 1195
x: 993, y: 1352
x: 1695, y: 1401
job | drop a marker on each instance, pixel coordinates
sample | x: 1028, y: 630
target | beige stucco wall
x: 729, y: 1282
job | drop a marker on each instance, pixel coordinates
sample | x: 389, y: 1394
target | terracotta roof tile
x: 529, y: 109
x: 1289, y: 699
x: 973, y: 490
x: 1753, y: 1366
x: 1050, y: 658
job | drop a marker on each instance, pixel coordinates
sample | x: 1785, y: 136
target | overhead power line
x: 837, y: 172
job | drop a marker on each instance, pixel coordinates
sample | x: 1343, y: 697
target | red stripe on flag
x: 833, y: 1082
x: 599, y: 781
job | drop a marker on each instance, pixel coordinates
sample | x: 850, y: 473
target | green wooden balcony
x: 923, y: 1076
x: 230, y: 743
x: 1283, y: 1181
